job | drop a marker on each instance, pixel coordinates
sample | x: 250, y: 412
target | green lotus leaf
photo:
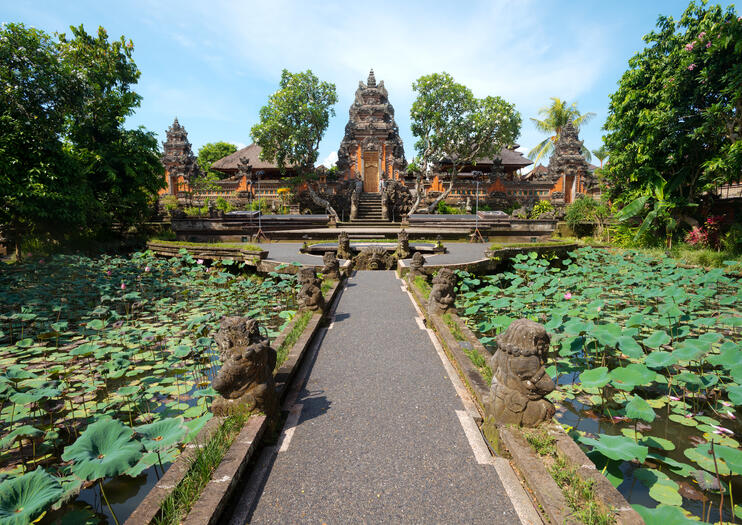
x: 25, y: 431
x: 606, y: 334
x: 681, y: 469
x: 657, y: 339
x: 595, y: 378
x: 664, y: 514
x: 24, y: 498
x: 630, y: 376
x: 660, y: 359
x: 162, y: 434
x: 637, y: 408
x: 735, y: 394
x: 619, y: 448
x: 657, y: 442
x: 104, y: 449
x: 630, y: 347
x: 702, y: 456
x: 661, y: 488
x: 685, y: 420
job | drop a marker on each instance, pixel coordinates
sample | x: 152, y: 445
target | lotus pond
x: 107, y: 367
x: 648, y: 359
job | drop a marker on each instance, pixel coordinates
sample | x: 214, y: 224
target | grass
x: 474, y: 355
x: 176, y: 506
x: 578, y: 492
x: 327, y: 285
x: 422, y: 285
x: 502, y: 246
x: 184, y: 244
x: 293, y: 336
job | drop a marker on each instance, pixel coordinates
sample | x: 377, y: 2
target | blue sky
x: 214, y: 63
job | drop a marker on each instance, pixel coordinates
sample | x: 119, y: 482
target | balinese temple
x: 371, y: 149
x: 178, y: 159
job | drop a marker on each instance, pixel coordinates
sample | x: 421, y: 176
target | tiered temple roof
x: 178, y: 158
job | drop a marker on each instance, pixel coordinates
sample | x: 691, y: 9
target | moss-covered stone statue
x: 310, y: 296
x: 443, y: 294
x: 519, y: 378
x: 245, y: 380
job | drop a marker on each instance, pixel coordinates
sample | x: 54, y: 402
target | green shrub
x: 540, y: 208
x: 224, y: 205
x: 445, y: 209
x: 587, y: 209
x: 170, y: 202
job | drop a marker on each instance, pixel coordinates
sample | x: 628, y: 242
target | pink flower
x: 619, y: 418
x: 123, y: 286
x: 701, y: 34
x: 689, y: 47
x: 207, y: 270
x: 726, y: 403
x: 731, y: 416
x: 719, y: 429
x: 688, y: 416
x: 708, y: 45
x: 108, y: 273
x: 599, y: 308
x: 692, y: 67
x: 200, y: 261
x: 673, y: 398
x: 568, y: 296
x: 146, y: 268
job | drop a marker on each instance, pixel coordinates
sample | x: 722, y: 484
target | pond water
x: 113, y: 352
x: 648, y: 356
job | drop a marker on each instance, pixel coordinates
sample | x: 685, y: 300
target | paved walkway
x: 458, y: 252
x: 378, y: 432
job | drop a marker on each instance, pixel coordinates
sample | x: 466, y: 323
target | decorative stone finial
x: 443, y: 294
x: 245, y: 380
x: 310, y: 296
x: 519, y: 378
x: 371, y: 82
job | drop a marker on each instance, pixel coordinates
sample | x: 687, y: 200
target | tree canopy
x: 293, y: 123
x: 208, y: 154
x: 455, y: 127
x: 67, y: 164
x: 676, y: 119
x: 556, y: 115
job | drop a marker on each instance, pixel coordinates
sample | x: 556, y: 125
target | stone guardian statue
x: 519, y: 378
x: 332, y: 266
x: 443, y: 294
x: 245, y: 380
x: 310, y: 296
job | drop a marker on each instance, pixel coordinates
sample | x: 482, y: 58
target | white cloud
x: 518, y: 50
x: 330, y: 160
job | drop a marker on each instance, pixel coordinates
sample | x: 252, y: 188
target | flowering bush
x: 708, y: 235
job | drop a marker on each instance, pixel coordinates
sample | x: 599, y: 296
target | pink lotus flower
x: 726, y: 403
x: 731, y: 416
x: 599, y: 308
x: 200, y: 261
x: 719, y: 429
x: 692, y: 67
x: 689, y: 47
x: 688, y: 416
x: 708, y: 45
x: 568, y: 296
x: 146, y: 268
x: 108, y: 273
x: 123, y: 286
x: 619, y: 418
x: 673, y: 398
x: 207, y: 270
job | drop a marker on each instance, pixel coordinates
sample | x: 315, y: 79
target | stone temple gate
x: 371, y: 149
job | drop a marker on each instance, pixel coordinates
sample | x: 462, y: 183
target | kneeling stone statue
x: 519, y: 378
x: 245, y: 380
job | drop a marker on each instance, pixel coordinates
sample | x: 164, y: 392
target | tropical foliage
x: 676, y: 117
x: 68, y: 166
x: 555, y: 118
x: 108, y: 362
x: 648, y: 356
x: 456, y: 128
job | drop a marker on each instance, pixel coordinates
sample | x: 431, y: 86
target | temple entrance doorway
x: 371, y: 172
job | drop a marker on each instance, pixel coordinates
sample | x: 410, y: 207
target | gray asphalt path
x: 378, y: 435
x: 457, y: 253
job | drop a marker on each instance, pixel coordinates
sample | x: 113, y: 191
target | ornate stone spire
x: 567, y: 157
x: 178, y: 158
x: 371, y: 82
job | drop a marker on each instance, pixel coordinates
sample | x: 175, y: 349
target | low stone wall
x: 216, y: 494
x: 239, y: 228
x: 528, y: 463
x: 206, y: 251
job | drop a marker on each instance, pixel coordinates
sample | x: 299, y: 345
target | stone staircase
x: 369, y: 211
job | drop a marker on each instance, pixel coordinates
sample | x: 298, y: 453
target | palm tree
x: 601, y: 154
x: 556, y: 117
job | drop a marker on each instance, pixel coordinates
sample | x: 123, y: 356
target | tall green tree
x: 293, y: 123
x: 453, y: 126
x: 67, y: 164
x: 601, y: 154
x: 555, y: 117
x: 675, y: 121
x: 208, y: 154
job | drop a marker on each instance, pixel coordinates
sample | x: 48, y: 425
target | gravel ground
x: 378, y: 439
